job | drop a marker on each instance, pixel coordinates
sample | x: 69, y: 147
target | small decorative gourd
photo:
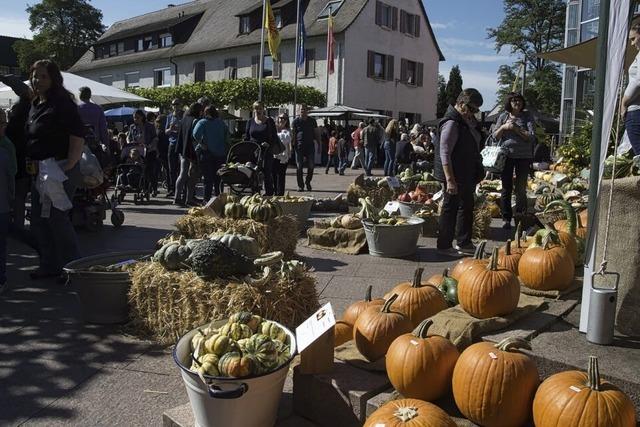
x: 234, y: 210
x: 236, y: 365
x: 263, y: 349
x: 173, y: 255
x: 219, y: 344
x: 236, y: 331
x: 244, y: 317
x: 272, y: 330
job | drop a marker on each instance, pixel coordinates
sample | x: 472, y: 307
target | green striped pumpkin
x: 236, y: 331
x: 246, y: 318
x: 264, y: 350
x: 220, y: 344
x: 236, y: 365
x: 274, y: 331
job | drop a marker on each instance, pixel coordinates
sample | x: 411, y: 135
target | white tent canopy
x: 102, y: 94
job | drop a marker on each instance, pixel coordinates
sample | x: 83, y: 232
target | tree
x: 63, y: 31
x: 454, y: 85
x: 442, y: 96
x: 531, y: 27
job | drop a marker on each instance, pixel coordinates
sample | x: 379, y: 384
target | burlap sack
x: 577, y: 284
x: 351, y: 242
x: 624, y: 248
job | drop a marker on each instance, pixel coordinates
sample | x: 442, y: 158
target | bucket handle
x: 217, y: 392
x: 616, y: 277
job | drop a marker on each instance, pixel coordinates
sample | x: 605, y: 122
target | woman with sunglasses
x: 515, y: 131
x: 261, y: 129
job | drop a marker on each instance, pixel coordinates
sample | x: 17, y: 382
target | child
x: 333, y: 152
x: 130, y: 172
x: 7, y: 192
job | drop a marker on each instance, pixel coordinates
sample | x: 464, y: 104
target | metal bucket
x: 407, y: 209
x: 102, y: 295
x: 232, y: 402
x: 301, y: 210
x: 393, y: 241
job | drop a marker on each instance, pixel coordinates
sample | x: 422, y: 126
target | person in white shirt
x: 281, y: 160
x: 630, y: 105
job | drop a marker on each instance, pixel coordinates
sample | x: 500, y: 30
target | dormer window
x: 277, y: 14
x: 331, y: 7
x: 166, y: 40
x: 245, y: 24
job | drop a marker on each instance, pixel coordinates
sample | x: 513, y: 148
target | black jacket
x: 466, y: 161
x: 185, y: 146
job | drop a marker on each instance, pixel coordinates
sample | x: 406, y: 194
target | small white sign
x: 493, y: 355
x: 574, y: 388
x: 316, y: 325
x: 393, y: 182
x: 392, y: 207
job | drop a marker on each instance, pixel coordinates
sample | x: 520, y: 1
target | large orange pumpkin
x: 509, y: 259
x: 494, y: 385
x: 343, y: 332
x: 419, y: 365
x: 581, y: 399
x: 418, y: 300
x: 546, y: 267
x: 488, y: 291
x: 409, y: 413
x: 352, y: 312
x: 376, y: 328
x: 465, y: 263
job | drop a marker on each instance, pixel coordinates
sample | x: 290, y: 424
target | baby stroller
x: 131, y: 179
x: 244, y: 171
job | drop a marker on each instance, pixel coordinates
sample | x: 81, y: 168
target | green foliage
x: 454, y: 85
x: 576, y: 151
x: 241, y: 93
x: 63, y: 31
x: 531, y: 27
x: 442, y: 96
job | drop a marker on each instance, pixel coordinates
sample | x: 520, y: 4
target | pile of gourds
x: 246, y: 345
x: 370, y: 213
x: 253, y: 207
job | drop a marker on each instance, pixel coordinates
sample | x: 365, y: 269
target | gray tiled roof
x: 217, y: 29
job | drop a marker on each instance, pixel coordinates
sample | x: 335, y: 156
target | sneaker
x: 300, y: 189
x: 4, y: 287
x: 468, y: 249
x: 309, y: 187
x: 506, y: 225
x: 449, y: 252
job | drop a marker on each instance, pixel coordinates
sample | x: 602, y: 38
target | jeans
x: 304, y: 159
x: 151, y: 166
x: 342, y: 164
x: 268, y: 173
x: 389, y: 158
x: 174, y: 168
x: 210, y: 165
x: 358, y: 159
x: 187, y: 180
x: 279, y: 176
x: 456, y: 217
x: 632, y: 125
x: 4, y: 231
x: 369, y: 159
x: 55, y: 235
x: 521, y: 168
x: 333, y: 161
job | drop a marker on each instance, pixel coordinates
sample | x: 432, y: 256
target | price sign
x: 314, y: 327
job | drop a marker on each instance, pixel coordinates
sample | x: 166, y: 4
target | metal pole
x: 327, y: 86
x: 524, y: 75
x: 295, y: 65
x: 261, y: 71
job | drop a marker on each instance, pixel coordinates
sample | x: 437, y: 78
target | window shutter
x: 254, y: 66
x: 390, y: 67
x: 403, y: 21
x: 199, y: 72
x: 369, y: 64
x: 311, y: 62
x: 403, y: 70
x: 417, y: 27
x: 378, y: 13
x: 419, y: 73
x: 394, y: 19
x: 276, y: 69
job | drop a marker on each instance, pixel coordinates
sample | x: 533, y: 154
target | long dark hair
x: 57, y: 81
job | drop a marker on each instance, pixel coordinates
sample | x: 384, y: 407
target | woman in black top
x: 262, y: 130
x: 54, y: 131
x: 143, y: 133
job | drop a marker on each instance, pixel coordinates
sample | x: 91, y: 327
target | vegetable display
x: 447, y: 285
x: 494, y: 385
x: 173, y: 255
x: 546, y: 267
x: 414, y: 357
x: 465, y: 263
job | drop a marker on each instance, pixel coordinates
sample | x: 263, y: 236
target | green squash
x: 264, y: 211
x: 236, y: 365
x: 246, y: 318
x: 206, y: 365
x: 211, y: 259
x: 247, y: 246
x: 449, y: 288
x: 173, y: 255
x: 220, y: 344
x: 274, y: 331
x: 236, y: 331
x: 264, y: 350
x: 234, y: 210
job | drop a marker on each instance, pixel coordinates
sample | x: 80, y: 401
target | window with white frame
x: 245, y: 24
x: 106, y: 80
x: 231, y: 68
x: 162, y: 77
x: 140, y: 46
x: 267, y: 67
x: 132, y: 79
x: 166, y: 40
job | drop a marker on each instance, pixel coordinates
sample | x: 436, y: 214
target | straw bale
x: 166, y: 304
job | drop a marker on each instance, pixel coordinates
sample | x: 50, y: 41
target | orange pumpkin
x: 409, y: 413
x: 546, y: 267
x: 465, y: 263
x: 494, y: 385
x: 414, y: 357
x: 352, y: 312
x: 376, y: 328
x: 488, y: 291
x: 584, y: 217
x: 343, y: 332
x: 436, y: 279
x: 509, y: 259
x: 565, y: 239
x: 418, y: 300
x: 581, y: 399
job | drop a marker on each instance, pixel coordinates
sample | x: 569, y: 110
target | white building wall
x: 364, y: 35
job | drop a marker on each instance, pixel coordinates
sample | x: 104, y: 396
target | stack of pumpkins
x: 253, y: 207
x: 493, y: 386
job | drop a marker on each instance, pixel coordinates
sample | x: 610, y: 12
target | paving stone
x: 338, y: 398
x: 354, y: 288
x: 156, y: 360
x: 338, y: 305
x: 115, y: 397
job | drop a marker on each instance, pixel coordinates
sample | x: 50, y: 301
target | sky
x: 460, y: 27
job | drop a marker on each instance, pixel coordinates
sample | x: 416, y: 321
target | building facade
x: 386, y: 56
x: 578, y: 84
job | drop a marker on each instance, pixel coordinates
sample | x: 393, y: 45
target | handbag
x: 493, y: 156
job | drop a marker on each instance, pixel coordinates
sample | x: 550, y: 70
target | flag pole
x: 261, y: 71
x: 295, y: 68
x: 328, y: 51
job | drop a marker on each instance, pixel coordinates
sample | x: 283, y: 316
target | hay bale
x: 481, y: 222
x: 279, y: 234
x: 379, y: 195
x: 165, y: 304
